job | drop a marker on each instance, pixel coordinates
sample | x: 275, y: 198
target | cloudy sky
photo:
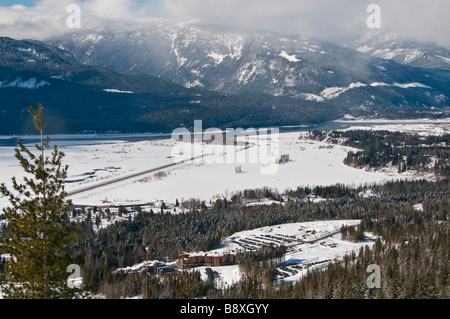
x: 425, y: 20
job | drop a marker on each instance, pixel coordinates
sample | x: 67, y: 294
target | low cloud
x: 48, y: 17
x: 419, y: 19
x: 284, y: 16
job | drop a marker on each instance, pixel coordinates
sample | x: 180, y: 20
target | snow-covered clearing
x: 31, y: 83
x: 290, y: 58
x: 421, y: 127
x: 117, y: 91
x: 334, y: 92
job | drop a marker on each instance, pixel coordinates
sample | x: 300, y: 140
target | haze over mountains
x: 226, y: 60
x: 389, y: 45
x: 158, y: 74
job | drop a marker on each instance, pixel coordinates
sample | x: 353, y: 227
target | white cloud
x: 420, y: 19
x: 23, y: 22
x: 48, y: 17
x: 286, y: 16
x: 117, y: 9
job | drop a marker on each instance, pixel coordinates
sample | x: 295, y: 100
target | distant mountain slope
x: 82, y: 98
x: 224, y: 60
x: 391, y: 46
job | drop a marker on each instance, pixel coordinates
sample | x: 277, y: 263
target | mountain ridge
x: 406, y: 51
x: 229, y: 61
x: 157, y: 76
x: 81, y: 98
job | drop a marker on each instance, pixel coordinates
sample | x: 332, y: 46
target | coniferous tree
x: 40, y: 233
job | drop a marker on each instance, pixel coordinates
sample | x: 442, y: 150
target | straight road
x: 124, y: 178
x: 127, y: 177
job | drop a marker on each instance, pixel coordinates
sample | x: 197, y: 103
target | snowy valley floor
x: 310, y: 163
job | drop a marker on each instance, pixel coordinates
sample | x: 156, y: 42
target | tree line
x: 378, y: 149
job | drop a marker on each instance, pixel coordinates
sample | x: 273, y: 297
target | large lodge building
x: 190, y: 260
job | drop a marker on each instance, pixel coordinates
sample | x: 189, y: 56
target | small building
x: 191, y: 260
x: 283, y: 159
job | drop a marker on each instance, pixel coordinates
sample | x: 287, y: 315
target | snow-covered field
x: 421, y: 127
x: 310, y: 163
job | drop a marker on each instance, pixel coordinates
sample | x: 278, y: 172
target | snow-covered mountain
x: 230, y: 61
x: 173, y: 73
x: 80, y: 98
x: 391, y: 46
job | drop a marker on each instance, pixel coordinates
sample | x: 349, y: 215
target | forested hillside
x: 388, y: 211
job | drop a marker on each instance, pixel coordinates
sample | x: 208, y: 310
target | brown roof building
x: 191, y: 260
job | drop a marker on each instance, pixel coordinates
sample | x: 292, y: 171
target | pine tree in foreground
x: 40, y: 234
